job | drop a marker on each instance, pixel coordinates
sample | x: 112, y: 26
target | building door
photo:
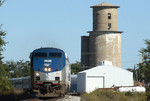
x: 94, y: 82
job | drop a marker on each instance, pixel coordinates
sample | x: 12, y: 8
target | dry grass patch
x: 109, y: 95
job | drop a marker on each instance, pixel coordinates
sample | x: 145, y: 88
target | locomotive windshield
x: 55, y: 55
x: 40, y: 55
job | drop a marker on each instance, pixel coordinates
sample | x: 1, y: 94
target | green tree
x: 4, y: 75
x: 19, y: 68
x: 144, y: 66
x: 2, y: 42
x: 5, y: 85
x: 1, y: 2
x: 76, y: 67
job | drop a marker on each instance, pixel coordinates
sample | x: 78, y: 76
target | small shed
x: 106, y: 76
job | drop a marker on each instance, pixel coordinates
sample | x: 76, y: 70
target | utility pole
x: 142, y: 57
x: 134, y: 74
x: 142, y: 71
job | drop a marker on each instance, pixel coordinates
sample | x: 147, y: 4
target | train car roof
x: 47, y: 48
x: 21, y: 78
x: 44, y: 48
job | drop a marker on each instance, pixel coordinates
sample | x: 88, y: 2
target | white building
x: 105, y: 76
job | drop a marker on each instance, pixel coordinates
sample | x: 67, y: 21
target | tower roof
x: 105, y: 4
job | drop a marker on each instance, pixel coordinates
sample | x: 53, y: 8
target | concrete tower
x: 104, y: 42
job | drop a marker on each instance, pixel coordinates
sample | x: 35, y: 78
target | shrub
x: 148, y: 96
x: 5, y: 85
x: 129, y: 94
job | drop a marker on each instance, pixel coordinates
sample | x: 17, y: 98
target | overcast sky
x: 31, y: 24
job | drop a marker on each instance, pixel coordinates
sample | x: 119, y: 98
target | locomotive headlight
x: 49, y: 69
x: 57, y: 74
x: 37, y: 74
x: 45, y: 69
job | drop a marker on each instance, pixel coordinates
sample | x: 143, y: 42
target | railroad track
x: 28, y: 96
x: 44, y: 99
x: 69, y: 97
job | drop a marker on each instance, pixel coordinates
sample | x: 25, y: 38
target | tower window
x: 109, y: 15
x: 109, y: 26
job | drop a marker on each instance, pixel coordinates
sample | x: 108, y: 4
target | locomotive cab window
x: 40, y: 55
x: 55, y: 55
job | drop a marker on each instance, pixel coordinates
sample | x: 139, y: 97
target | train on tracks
x: 50, y: 72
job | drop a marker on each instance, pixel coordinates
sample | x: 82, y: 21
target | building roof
x: 104, y: 68
x: 105, y: 4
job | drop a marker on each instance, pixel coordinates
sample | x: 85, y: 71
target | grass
x: 109, y: 95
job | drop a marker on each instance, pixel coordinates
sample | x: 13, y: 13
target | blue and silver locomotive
x: 50, y: 72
